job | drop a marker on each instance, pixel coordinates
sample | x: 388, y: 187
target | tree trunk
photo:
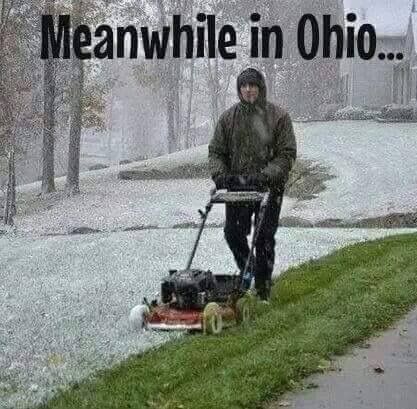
x: 171, y: 105
x: 216, y: 89
x: 172, y: 143
x: 270, y: 73
x: 10, y: 204
x: 225, y: 89
x: 168, y: 75
x: 48, y: 174
x: 7, y: 140
x: 213, y: 86
x: 177, y: 99
x: 190, y: 102
x: 110, y: 128
x: 73, y: 174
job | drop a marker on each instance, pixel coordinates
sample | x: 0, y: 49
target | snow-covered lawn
x: 375, y: 165
x: 65, y: 300
x: 115, y: 204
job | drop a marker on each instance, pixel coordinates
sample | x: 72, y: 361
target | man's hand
x: 229, y: 181
x: 257, y: 180
x: 275, y: 176
x: 220, y: 182
x: 226, y: 181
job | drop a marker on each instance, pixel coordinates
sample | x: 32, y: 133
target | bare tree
x: 10, y: 202
x: 6, y: 117
x: 190, y: 104
x: 73, y: 174
x: 48, y: 173
x: 214, y: 87
x: 168, y: 75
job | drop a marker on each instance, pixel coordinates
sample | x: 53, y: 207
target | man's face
x: 250, y: 92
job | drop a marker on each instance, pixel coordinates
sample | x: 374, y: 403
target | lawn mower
x: 198, y: 300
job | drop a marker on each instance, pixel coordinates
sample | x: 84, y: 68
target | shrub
x: 98, y: 166
x: 326, y: 112
x: 399, y: 112
x: 355, y: 113
x: 141, y: 157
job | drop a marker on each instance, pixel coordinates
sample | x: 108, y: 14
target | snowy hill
x: 370, y: 160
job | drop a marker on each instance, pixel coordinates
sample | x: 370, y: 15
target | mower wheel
x: 138, y: 317
x: 245, y: 310
x: 212, y: 319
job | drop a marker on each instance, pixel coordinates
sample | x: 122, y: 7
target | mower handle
x: 238, y: 197
x: 228, y: 197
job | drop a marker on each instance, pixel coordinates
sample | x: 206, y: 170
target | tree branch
x: 162, y: 12
x: 5, y: 16
x: 3, y: 8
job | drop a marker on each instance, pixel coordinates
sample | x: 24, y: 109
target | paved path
x: 358, y: 383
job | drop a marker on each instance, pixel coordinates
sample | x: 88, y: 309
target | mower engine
x: 188, y: 288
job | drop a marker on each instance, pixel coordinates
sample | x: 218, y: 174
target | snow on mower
x: 193, y: 299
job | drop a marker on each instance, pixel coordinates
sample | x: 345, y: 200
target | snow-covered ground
x: 65, y: 300
x: 115, y: 204
x: 375, y: 167
x: 108, y: 203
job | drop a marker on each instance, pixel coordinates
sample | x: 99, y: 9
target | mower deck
x: 167, y: 317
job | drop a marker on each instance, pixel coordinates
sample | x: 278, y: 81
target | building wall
x: 413, y: 85
x: 346, y: 75
x: 372, y: 81
x: 405, y: 73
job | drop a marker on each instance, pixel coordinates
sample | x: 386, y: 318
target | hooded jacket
x: 252, y: 138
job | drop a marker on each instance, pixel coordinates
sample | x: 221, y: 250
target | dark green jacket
x: 254, y: 138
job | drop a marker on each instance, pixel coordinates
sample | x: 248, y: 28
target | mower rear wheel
x: 212, y: 319
x: 245, y: 309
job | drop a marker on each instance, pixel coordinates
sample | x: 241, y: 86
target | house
x: 375, y: 82
x: 405, y: 72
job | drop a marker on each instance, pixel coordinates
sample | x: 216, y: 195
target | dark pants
x: 238, y: 227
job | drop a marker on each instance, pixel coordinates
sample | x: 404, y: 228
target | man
x: 253, y: 143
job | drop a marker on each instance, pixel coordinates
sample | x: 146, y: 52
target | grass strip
x: 317, y: 310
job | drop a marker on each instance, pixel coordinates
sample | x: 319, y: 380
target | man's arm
x: 284, y: 153
x: 218, y: 153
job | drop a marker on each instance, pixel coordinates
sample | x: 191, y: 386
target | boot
x: 263, y: 290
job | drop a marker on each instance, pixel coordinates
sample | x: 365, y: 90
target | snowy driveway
x: 65, y: 300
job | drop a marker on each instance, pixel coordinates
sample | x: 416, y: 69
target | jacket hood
x: 252, y: 76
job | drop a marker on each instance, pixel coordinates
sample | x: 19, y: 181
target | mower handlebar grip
x: 239, y: 197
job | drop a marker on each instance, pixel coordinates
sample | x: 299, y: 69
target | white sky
x: 390, y: 17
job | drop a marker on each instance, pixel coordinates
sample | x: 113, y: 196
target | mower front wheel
x: 138, y: 317
x: 212, y: 319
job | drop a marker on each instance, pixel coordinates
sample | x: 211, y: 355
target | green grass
x: 318, y: 309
